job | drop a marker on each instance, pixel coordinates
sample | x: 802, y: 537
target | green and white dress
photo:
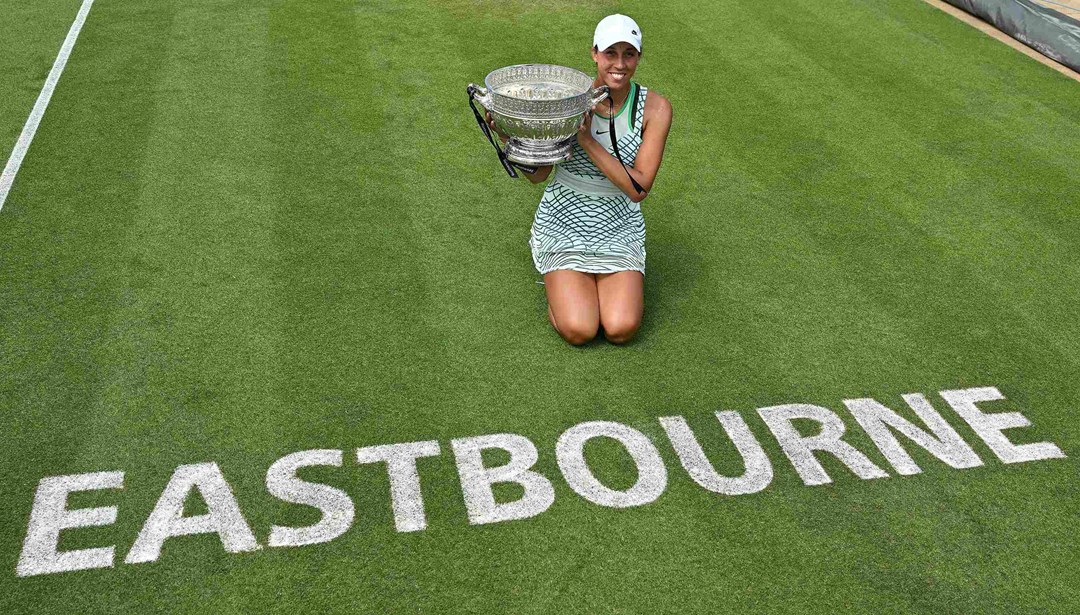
x: 584, y: 222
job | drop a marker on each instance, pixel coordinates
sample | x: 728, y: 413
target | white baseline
x: 27, y: 135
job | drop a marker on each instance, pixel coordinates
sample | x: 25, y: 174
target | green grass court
x: 246, y: 229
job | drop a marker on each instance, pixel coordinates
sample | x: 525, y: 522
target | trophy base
x: 538, y: 153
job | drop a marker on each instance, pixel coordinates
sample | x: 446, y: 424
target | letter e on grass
x: 989, y: 426
x: 50, y: 514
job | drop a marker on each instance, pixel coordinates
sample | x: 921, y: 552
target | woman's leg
x: 573, y: 305
x: 622, y: 302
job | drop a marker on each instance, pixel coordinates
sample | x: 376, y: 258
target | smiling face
x: 616, y: 64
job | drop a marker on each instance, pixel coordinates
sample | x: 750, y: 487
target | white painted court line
x: 31, y: 126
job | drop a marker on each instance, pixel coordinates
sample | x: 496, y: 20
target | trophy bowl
x: 539, y: 106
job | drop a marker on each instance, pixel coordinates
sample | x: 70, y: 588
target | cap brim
x: 609, y: 43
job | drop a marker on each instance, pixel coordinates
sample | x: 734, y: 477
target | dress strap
x: 639, y: 103
x: 615, y: 143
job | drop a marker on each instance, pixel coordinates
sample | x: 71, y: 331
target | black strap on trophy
x: 487, y: 133
x: 503, y: 160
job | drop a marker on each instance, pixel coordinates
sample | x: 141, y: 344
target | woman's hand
x: 584, y: 132
x: 491, y: 125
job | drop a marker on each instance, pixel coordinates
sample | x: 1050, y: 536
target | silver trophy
x: 539, y: 106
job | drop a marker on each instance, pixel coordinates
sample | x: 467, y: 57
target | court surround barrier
x: 1051, y: 33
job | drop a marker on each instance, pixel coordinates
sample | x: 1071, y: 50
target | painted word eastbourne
x: 50, y: 514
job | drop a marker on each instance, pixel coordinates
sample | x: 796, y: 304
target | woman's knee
x: 622, y: 303
x: 573, y: 305
x: 620, y: 330
x: 578, y: 331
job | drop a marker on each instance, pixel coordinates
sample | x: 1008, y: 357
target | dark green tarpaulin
x: 1053, y: 34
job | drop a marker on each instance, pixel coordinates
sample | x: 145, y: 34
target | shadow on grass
x: 671, y: 274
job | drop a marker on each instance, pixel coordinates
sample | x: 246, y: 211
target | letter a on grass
x: 167, y: 519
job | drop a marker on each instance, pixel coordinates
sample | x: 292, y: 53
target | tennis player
x: 588, y: 235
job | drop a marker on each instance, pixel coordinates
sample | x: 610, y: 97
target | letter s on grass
x: 337, y: 508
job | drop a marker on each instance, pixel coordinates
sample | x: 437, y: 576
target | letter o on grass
x: 570, y: 454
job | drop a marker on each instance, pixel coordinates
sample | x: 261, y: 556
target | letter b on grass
x: 476, y: 480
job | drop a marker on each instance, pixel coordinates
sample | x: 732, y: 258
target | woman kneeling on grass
x: 588, y: 235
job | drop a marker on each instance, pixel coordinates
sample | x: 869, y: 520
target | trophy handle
x: 598, y: 95
x: 480, y: 95
x: 483, y: 96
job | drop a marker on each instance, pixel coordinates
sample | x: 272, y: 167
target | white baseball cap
x: 617, y: 29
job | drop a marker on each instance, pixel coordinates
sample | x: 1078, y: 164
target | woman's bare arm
x: 656, y: 125
x: 540, y: 175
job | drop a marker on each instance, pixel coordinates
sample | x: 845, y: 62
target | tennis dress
x: 584, y: 222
